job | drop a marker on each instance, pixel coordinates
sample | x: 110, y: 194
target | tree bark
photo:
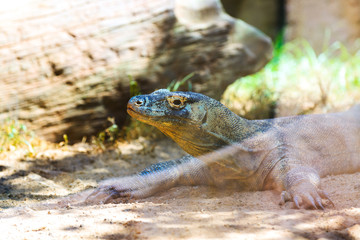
x: 65, y: 65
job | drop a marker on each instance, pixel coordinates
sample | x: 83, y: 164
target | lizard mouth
x: 130, y: 108
x: 133, y: 112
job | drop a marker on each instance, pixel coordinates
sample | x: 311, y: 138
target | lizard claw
x: 310, y: 200
x: 108, y: 194
x: 305, y: 197
x: 324, y: 195
x: 113, y: 191
x: 114, y: 196
x: 297, y: 199
x: 319, y: 203
x: 120, y: 190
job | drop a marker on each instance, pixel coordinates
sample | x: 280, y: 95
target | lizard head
x: 194, y: 121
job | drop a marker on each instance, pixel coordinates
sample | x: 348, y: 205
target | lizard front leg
x: 302, y: 186
x: 155, y: 178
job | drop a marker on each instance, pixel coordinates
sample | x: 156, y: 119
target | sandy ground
x: 180, y: 213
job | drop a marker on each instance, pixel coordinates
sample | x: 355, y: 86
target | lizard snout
x: 136, y: 102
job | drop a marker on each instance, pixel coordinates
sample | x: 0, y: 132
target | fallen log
x: 65, y: 65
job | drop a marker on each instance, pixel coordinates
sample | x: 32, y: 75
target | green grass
x: 176, y: 84
x: 14, y: 135
x: 296, y: 73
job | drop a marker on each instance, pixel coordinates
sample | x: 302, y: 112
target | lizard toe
x: 306, y: 195
x: 309, y: 199
x: 324, y: 195
x: 319, y: 203
x: 115, y: 196
x: 95, y: 196
x: 106, y: 194
x: 297, y: 201
x: 284, y: 197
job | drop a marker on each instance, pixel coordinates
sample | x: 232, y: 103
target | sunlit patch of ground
x: 180, y: 213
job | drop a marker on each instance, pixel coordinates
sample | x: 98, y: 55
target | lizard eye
x: 176, y: 102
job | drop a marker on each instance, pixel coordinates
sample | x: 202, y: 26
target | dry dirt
x: 180, y: 213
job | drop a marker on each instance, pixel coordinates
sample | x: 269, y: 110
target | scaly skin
x: 286, y: 154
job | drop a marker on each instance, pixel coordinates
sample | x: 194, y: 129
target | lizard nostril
x: 139, y: 102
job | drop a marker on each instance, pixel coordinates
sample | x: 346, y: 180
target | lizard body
x: 288, y: 154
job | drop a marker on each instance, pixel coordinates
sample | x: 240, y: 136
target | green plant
x: 135, y: 129
x: 176, y: 84
x: 134, y: 87
x: 108, y: 136
x: 14, y: 135
x: 298, y: 74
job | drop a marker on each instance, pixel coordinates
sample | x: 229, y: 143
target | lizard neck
x: 220, y: 127
x: 232, y: 128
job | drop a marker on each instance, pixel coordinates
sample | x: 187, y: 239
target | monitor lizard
x: 287, y: 154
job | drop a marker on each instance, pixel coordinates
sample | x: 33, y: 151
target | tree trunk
x: 65, y: 65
